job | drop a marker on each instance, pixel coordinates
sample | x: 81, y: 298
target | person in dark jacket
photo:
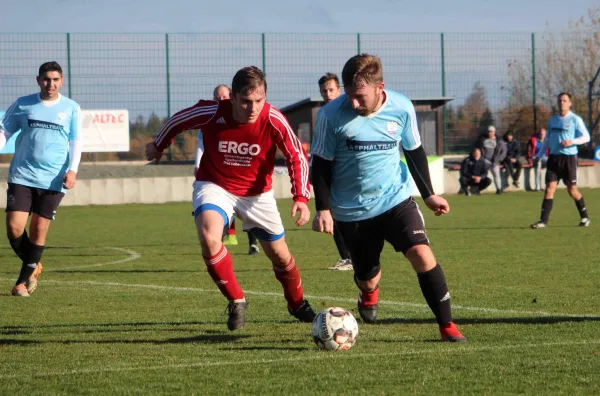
x: 473, y: 174
x: 511, y: 161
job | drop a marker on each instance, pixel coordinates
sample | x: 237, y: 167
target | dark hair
x: 329, y: 77
x: 362, y: 69
x: 568, y: 95
x: 220, y: 86
x: 48, y: 67
x: 247, y: 80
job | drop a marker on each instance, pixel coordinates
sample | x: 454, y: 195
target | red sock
x: 289, y: 277
x: 370, y: 298
x: 220, y: 268
x: 231, y: 230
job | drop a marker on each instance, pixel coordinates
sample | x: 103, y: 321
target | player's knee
x: 280, y: 256
x: 573, y: 191
x: 14, y: 231
x: 38, y: 231
x: 209, y: 240
x: 421, y: 257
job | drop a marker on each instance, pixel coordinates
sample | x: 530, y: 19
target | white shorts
x: 259, y: 213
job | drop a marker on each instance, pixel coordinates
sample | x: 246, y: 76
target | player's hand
x: 152, y: 153
x: 437, y: 204
x: 323, y: 222
x: 476, y: 179
x: 69, y: 180
x: 566, y: 143
x: 304, y: 213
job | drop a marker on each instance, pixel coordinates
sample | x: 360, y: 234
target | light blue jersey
x: 41, y: 156
x: 569, y: 127
x: 368, y: 176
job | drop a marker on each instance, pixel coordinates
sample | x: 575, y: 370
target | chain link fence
x: 506, y: 79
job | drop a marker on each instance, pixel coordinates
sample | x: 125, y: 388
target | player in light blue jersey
x: 566, y: 131
x: 360, y: 182
x: 329, y: 87
x: 44, y: 166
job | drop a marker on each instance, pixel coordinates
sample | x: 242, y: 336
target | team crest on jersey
x: 61, y: 116
x: 392, y: 128
x: 350, y: 134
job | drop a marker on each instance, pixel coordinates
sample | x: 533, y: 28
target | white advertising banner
x: 105, y: 130
x: 102, y: 131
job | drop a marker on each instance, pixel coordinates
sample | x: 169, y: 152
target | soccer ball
x: 334, y: 329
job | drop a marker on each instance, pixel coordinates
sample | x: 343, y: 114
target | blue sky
x: 288, y: 16
x: 127, y: 69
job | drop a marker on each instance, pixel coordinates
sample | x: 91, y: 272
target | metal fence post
x: 533, y: 80
x: 358, y: 43
x: 443, y: 90
x: 264, y: 55
x: 169, y: 155
x: 69, y: 64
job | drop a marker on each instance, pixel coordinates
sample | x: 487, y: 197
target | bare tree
x: 565, y: 62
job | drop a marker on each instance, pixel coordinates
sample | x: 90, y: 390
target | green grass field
x: 125, y: 306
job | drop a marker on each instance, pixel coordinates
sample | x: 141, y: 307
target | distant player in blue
x: 44, y: 166
x: 566, y: 131
x: 360, y: 182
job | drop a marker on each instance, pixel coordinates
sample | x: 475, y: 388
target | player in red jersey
x: 241, y: 136
x: 223, y: 92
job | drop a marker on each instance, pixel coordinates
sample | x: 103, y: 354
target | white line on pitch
x: 340, y: 299
x: 133, y: 255
x: 316, y: 356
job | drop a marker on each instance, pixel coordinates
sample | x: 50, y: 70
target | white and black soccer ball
x: 334, y: 329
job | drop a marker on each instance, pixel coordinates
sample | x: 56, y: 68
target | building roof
x: 434, y: 102
x: 301, y: 103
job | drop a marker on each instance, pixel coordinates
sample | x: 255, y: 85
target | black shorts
x: 402, y: 226
x: 562, y: 167
x: 21, y: 198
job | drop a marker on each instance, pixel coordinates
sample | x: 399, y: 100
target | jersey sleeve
x: 9, y: 123
x: 199, y: 148
x: 324, y: 142
x: 582, y: 135
x: 76, y: 124
x: 295, y: 157
x: 410, y: 131
x: 190, y: 118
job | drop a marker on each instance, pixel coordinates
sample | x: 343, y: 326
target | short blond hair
x: 362, y: 69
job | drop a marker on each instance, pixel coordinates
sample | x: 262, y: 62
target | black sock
x: 340, y: 244
x: 252, y: 239
x: 434, y: 288
x: 20, y: 245
x: 546, y: 208
x: 581, y: 208
x: 30, y: 262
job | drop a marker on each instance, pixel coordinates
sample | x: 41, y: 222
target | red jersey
x: 240, y: 158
